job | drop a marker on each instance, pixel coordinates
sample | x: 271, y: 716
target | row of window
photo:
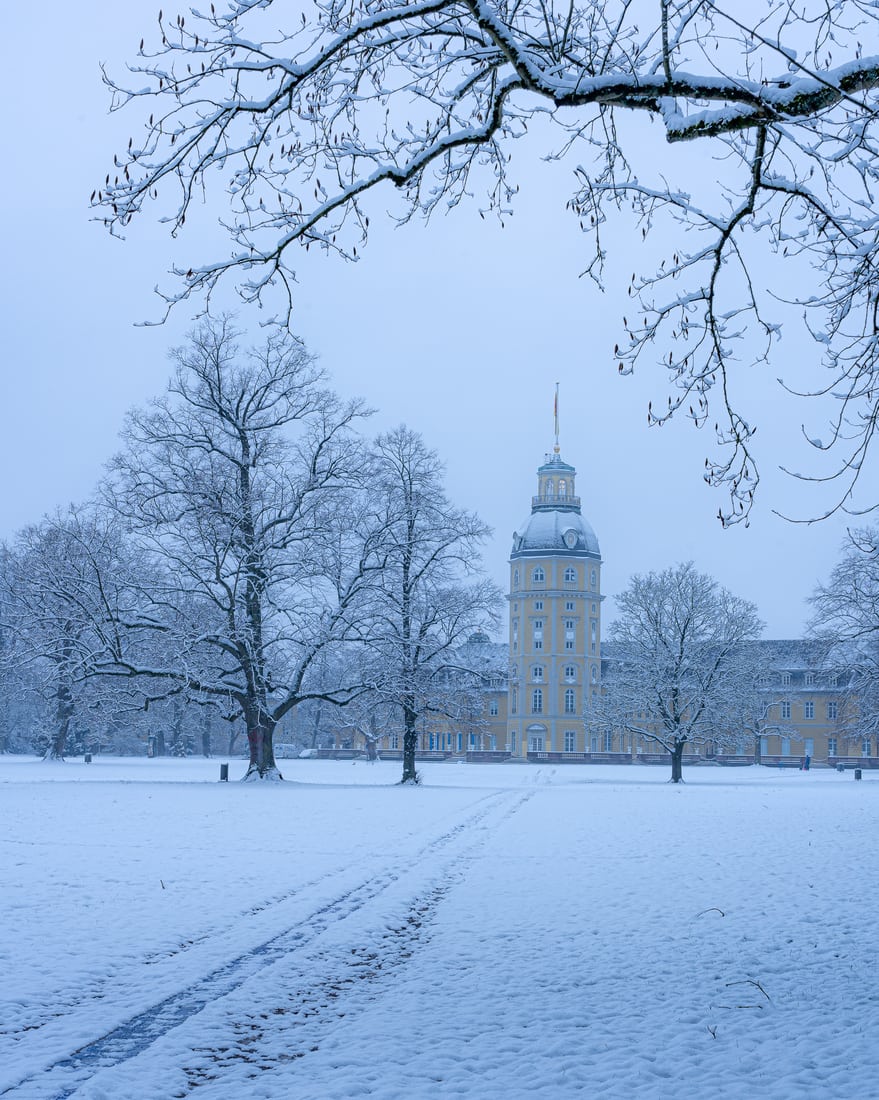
x: 809, y: 679
x: 832, y: 747
x: 537, y: 701
x: 536, y: 743
x: 832, y: 708
x: 450, y: 741
x: 538, y: 576
x: 570, y: 673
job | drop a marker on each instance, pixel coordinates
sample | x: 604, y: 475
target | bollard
x: 857, y: 773
x: 87, y: 759
x: 840, y: 767
x: 224, y: 773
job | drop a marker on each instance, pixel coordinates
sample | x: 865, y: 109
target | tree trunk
x: 260, y: 734
x: 63, y: 715
x: 677, y: 763
x: 758, y: 750
x: 233, y: 737
x: 410, y: 742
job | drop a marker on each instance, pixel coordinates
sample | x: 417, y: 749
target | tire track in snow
x: 316, y: 1002
x: 103, y: 992
x: 61, y: 1077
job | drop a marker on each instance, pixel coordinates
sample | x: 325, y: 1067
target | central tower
x: 555, y: 618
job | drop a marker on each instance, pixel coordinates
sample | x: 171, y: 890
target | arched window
x: 563, y: 487
x: 570, y: 575
x: 538, y: 576
x: 537, y: 701
x: 516, y: 578
x: 570, y: 702
x: 595, y: 674
x: 593, y: 579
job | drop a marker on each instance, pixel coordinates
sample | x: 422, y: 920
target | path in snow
x: 439, y: 857
x: 524, y: 932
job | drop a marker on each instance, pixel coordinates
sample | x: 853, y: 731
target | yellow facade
x: 555, y: 619
x: 535, y: 693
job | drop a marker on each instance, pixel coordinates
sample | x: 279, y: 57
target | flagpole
x: 556, y: 417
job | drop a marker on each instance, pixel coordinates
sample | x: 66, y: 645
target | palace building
x: 533, y: 697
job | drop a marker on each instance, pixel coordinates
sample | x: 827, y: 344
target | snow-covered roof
x: 547, y: 528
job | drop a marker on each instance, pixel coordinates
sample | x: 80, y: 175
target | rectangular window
x: 833, y: 709
x: 865, y: 747
x: 493, y: 708
x: 785, y: 711
x: 831, y: 746
x: 569, y: 605
x: 569, y: 643
x: 538, y: 605
x: 608, y: 742
x: 395, y: 741
x: 570, y: 741
x: 514, y: 701
x: 570, y: 702
x: 538, y: 642
x: 808, y: 709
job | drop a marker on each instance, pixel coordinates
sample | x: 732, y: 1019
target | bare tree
x: 846, y: 617
x: 431, y: 597
x: 678, y: 640
x: 241, y: 489
x: 61, y: 589
x: 299, y: 124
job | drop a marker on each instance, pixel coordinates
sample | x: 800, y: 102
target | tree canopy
x: 676, y: 672
x: 298, y: 123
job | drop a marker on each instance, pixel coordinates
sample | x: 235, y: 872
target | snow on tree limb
x: 298, y: 126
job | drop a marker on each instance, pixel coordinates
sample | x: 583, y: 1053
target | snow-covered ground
x: 503, y: 931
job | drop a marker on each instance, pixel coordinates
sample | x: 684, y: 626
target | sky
x: 459, y: 329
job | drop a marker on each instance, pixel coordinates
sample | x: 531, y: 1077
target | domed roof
x: 558, y: 531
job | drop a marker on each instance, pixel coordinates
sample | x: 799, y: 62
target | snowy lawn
x: 502, y: 931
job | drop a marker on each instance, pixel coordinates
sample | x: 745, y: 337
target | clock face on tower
x: 570, y: 539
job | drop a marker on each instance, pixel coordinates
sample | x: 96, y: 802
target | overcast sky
x: 459, y: 329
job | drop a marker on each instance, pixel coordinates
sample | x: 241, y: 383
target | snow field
x: 501, y: 931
